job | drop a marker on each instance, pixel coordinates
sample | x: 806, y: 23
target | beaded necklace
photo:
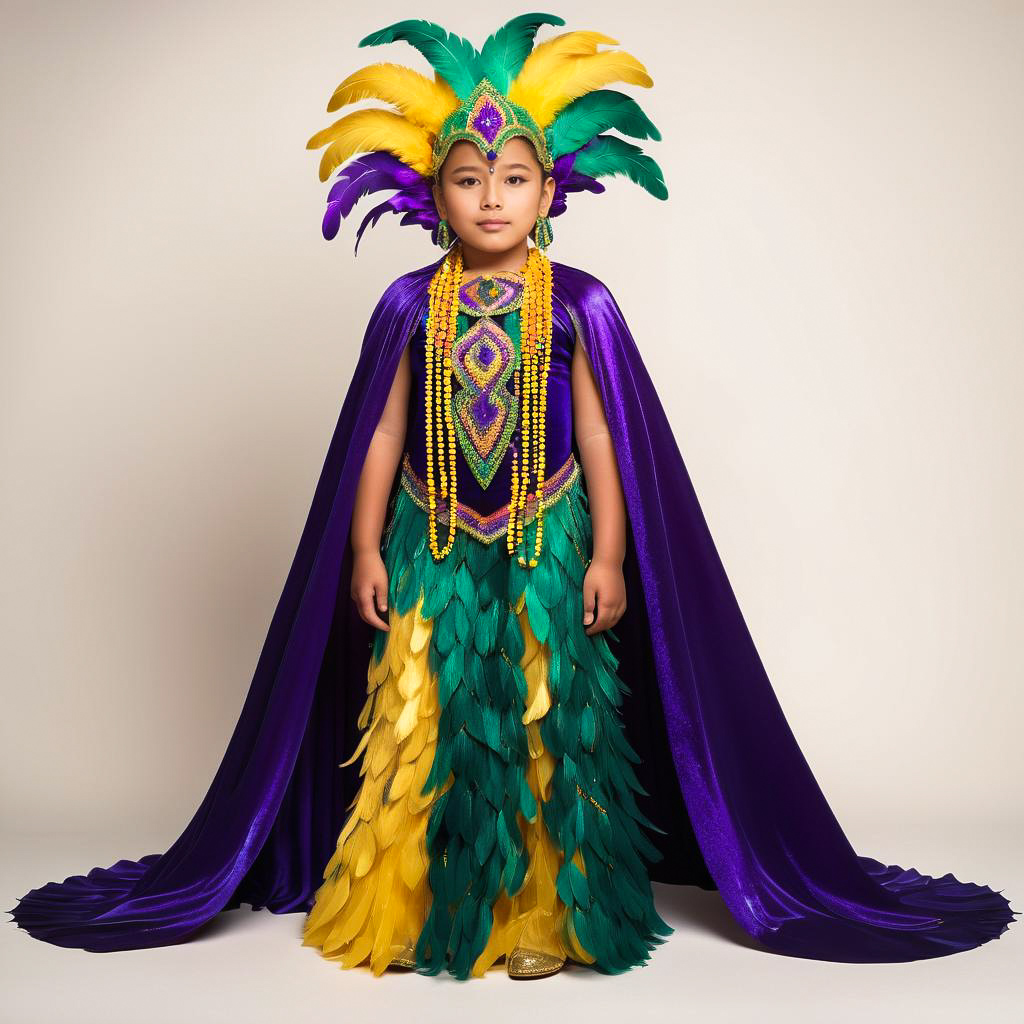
x: 531, y: 381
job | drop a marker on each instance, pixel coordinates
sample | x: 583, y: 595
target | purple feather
x: 374, y: 172
x: 567, y: 180
x: 414, y: 198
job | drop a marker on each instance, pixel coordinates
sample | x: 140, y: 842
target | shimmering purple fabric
x: 741, y: 809
x: 558, y: 439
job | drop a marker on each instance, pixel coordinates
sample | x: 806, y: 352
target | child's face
x: 469, y: 194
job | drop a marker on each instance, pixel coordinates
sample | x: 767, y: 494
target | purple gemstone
x: 488, y: 121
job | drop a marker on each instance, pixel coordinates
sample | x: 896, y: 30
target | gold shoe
x: 407, y: 958
x: 532, y: 963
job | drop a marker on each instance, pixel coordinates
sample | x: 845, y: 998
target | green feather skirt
x: 498, y: 799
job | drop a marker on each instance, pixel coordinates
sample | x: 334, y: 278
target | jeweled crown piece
x: 488, y: 119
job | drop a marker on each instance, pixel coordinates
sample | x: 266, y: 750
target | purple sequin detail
x: 488, y: 122
x: 483, y: 295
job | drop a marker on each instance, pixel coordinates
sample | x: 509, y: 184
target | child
x: 479, y: 622
x: 502, y: 424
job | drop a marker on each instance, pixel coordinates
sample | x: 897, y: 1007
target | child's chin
x: 494, y: 241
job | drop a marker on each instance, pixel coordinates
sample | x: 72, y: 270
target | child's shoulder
x: 576, y: 282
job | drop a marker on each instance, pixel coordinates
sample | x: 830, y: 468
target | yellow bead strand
x: 443, y: 311
x: 535, y: 349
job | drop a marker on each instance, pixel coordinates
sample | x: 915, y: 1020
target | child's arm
x: 603, y: 582
x: 369, y: 575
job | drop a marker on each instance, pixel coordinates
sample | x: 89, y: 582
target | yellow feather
x: 413, y: 863
x: 389, y: 821
x: 367, y: 131
x: 561, y: 75
x: 358, y: 951
x: 422, y: 101
x: 408, y: 719
x: 364, y: 852
x: 529, y: 87
x: 402, y: 781
x: 360, y: 746
x: 579, y: 75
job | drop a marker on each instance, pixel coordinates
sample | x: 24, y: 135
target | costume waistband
x: 488, y: 528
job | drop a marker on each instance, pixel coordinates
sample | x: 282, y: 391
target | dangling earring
x: 543, y: 233
x: 444, y: 236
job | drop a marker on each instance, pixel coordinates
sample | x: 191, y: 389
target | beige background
x: 829, y: 303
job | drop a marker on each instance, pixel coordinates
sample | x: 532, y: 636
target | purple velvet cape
x: 727, y: 782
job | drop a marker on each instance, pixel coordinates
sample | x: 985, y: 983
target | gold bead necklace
x: 533, y: 366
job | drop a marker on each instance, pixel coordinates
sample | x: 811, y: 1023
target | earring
x: 444, y: 236
x: 543, y: 234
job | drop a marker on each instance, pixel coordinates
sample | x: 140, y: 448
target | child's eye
x: 518, y: 177
x: 462, y: 181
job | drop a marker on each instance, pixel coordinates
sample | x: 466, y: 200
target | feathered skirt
x: 497, y: 804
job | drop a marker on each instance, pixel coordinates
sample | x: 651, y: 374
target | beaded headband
x: 490, y: 120
x: 551, y: 94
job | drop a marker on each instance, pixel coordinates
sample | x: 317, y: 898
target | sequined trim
x: 486, y: 412
x: 490, y: 527
x: 492, y: 294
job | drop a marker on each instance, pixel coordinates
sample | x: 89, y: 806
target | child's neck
x: 477, y: 262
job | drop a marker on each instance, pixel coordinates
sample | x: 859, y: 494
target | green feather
x: 459, y: 703
x: 518, y: 875
x: 595, y: 112
x: 463, y: 623
x: 437, y: 595
x: 527, y: 801
x: 608, y: 154
x: 451, y: 673
x: 444, y: 635
x: 582, y: 928
x: 580, y: 889
x: 485, y: 838
x: 492, y: 726
x: 548, y: 582
x: 455, y: 59
x: 470, y: 916
x: 483, y: 637
x: 556, y: 664
x: 564, y: 884
x: 504, y: 839
x: 436, y: 818
x: 588, y: 728
x: 503, y: 54
x: 467, y: 824
x: 479, y: 940
x: 540, y: 619
x: 464, y: 587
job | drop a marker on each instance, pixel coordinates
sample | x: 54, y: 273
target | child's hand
x: 370, y: 587
x: 605, y: 585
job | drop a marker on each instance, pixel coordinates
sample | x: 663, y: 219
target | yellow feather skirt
x: 375, y: 897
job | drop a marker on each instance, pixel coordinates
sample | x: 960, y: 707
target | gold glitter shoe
x: 532, y: 963
x: 407, y: 958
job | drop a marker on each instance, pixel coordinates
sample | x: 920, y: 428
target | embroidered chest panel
x: 485, y: 355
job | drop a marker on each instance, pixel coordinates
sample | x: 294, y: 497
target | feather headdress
x: 553, y: 94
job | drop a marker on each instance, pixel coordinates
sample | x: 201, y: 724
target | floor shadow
x: 706, y: 910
